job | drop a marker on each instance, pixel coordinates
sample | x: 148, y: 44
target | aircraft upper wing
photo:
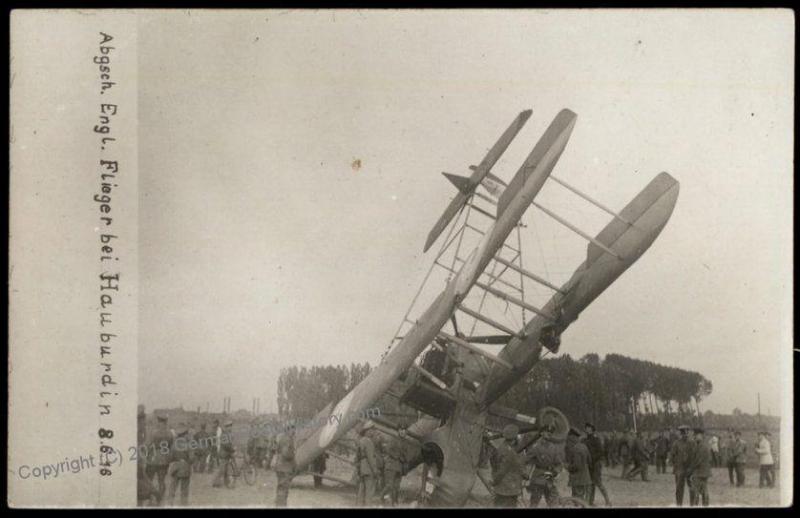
x: 336, y: 419
x: 478, y: 173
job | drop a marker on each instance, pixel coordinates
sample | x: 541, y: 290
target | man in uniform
x: 260, y: 446
x: 250, y: 447
x: 284, y: 464
x: 547, y: 459
x: 394, y: 467
x: 699, y: 469
x: 225, y: 451
x: 507, y: 476
x: 378, y: 440
x: 612, y: 449
x: 680, y: 454
x: 319, y: 465
x: 624, y: 452
x: 641, y: 457
x: 739, y: 455
x: 367, y: 467
x: 661, y: 451
x: 180, y: 468
x: 713, y: 442
x: 596, y: 456
x: 213, y: 451
x: 201, y: 449
x: 270, y: 447
x: 577, y: 456
x: 159, y: 451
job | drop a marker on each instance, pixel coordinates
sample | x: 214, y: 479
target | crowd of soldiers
x: 539, y: 463
x: 380, y: 465
x: 167, y: 459
x: 583, y: 457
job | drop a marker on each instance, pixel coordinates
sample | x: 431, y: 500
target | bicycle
x: 562, y: 501
x: 233, y: 472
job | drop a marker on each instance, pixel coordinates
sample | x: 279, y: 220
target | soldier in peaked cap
x: 547, y: 459
x: 159, y: 450
x: 680, y: 454
x: 180, y: 468
x: 507, y: 476
x: 699, y: 468
x: 577, y: 455
x: 367, y: 467
x: 225, y: 451
x: 596, y: 456
x: 285, y: 464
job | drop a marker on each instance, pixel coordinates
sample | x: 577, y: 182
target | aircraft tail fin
x: 462, y: 183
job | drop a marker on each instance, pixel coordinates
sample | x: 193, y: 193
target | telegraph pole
x: 758, y: 395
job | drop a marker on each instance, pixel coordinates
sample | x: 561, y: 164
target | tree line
x: 614, y: 392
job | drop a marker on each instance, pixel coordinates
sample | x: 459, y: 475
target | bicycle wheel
x: 249, y: 473
x: 230, y: 475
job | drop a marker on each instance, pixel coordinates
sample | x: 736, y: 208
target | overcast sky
x: 262, y: 247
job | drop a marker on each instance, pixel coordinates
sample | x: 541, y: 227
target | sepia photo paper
x: 401, y: 258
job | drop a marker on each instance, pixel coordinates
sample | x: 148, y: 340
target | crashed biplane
x: 456, y: 396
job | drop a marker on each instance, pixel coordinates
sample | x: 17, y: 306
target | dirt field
x: 659, y: 492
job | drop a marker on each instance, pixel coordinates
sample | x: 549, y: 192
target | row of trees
x: 302, y: 391
x: 614, y: 392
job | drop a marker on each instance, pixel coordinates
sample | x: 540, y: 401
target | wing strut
x: 514, y: 300
x: 590, y: 200
x: 528, y: 274
x: 576, y: 230
x: 466, y: 345
x: 487, y: 320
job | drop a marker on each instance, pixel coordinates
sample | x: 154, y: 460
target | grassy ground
x: 659, y: 492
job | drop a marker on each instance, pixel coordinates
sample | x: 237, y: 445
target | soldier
x: 624, y: 452
x: 507, y: 475
x: 641, y: 456
x: 213, y: 451
x: 260, y: 446
x: 766, y: 464
x: 577, y: 456
x: 159, y: 450
x: 270, y: 448
x: 367, y: 466
x: 395, y: 466
x: 713, y: 442
x: 661, y: 451
x: 201, y: 449
x: 699, y: 469
x: 250, y: 447
x: 596, y: 456
x: 739, y: 456
x: 680, y: 455
x: 284, y: 465
x: 319, y: 465
x: 225, y: 452
x: 547, y: 459
x: 378, y: 440
x: 180, y: 468
x: 612, y: 449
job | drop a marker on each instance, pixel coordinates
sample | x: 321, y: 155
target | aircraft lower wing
x: 627, y: 236
x: 335, y: 420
